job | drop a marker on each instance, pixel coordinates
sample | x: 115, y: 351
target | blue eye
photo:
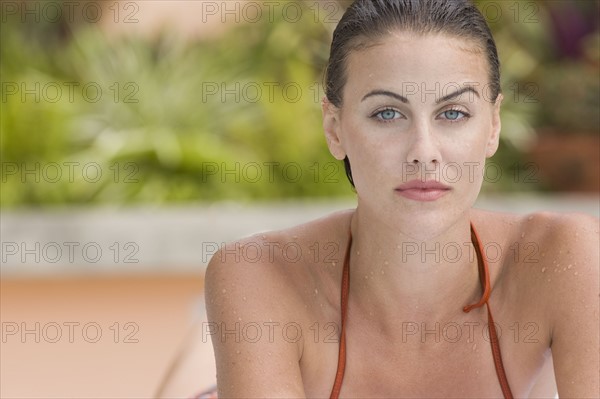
x: 387, y: 115
x: 455, y: 115
x: 452, y: 114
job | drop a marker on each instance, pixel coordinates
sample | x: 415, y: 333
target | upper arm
x: 575, y: 306
x: 254, y: 338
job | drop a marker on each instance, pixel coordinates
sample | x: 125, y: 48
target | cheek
x: 371, y: 158
x: 472, y: 143
x: 367, y: 160
x: 465, y: 160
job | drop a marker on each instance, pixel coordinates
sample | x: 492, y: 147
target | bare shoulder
x: 556, y: 277
x: 278, y: 258
x: 256, y: 292
x: 549, y: 259
x: 568, y: 249
x: 568, y: 246
x: 571, y: 244
x: 569, y: 237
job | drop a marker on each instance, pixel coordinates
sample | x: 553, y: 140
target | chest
x: 425, y: 358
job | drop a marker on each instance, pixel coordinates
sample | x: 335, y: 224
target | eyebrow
x: 403, y: 99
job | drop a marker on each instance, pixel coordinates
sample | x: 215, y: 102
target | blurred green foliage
x: 189, y: 120
x: 238, y: 118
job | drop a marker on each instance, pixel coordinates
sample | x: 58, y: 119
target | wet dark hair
x: 366, y: 21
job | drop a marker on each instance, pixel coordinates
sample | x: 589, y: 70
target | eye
x: 387, y: 115
x: 455, y: 115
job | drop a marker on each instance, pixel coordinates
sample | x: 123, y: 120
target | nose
x: 424, y: 147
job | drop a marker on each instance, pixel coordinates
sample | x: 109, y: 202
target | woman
x: 395, y: 298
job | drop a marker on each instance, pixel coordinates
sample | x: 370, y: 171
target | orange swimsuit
x: 484, y: 278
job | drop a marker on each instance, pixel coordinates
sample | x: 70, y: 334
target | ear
x: 494, y: 139
x: 331, y: 127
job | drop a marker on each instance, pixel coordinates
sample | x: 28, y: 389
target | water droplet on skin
x: 530, y: 217
x: 371, y: 272
x: 522, y: 235
x: 576, y: 273
x: 264, y: 236
x: 333, y: 264
x: 316, y: 291
x: 386, y: 262
x: 474, y: 346
x: 234, y: 312
x: 549, y: 280
x: 269, y: 353
x: 366, y: 277
x: 239, y: 319
x: 358, y: 252
x: 543, y: 269
x: 294, y: 237
x: 382, y: 271
x: 570, y: 266
x: 238, y: 352
x: 224, y: 291
x: 244, y: 298
x: 379, y: 252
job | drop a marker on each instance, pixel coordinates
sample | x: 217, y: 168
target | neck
x: 432, y: 276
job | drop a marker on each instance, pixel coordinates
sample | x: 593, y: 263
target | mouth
x: 418, y: 190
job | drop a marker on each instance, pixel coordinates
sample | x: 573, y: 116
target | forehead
x: 400, y: 60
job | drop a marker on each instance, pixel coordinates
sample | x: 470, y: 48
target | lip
x: 419, y: 190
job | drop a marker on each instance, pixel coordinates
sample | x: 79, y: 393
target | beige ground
x: 161, y: 310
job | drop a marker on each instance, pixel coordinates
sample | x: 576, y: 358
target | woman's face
x: 416, y: 110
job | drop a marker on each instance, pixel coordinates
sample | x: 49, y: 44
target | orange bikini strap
x: 484, y: 275
x: 339, y: 375
x: 484, y: 279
